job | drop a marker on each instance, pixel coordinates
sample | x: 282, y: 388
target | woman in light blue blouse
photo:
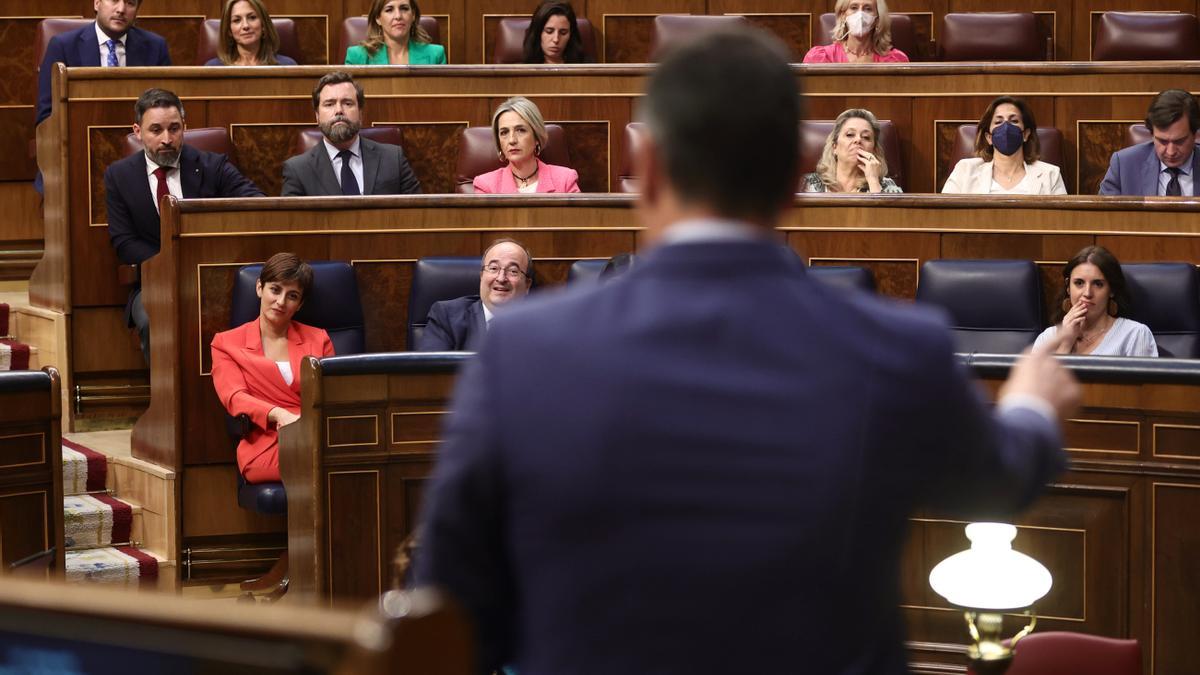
x: 395, y: 37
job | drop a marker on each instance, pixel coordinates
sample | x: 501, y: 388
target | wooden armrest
x: 128, y: 275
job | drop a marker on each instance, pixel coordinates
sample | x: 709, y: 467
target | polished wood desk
x: 1115, y: 530
x: 262, y: 107
x: 31, y: 475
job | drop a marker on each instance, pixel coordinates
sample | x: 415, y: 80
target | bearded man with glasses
x: 460, y: 324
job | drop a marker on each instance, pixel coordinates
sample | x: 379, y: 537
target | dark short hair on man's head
x: 724, y: 112
x: 337, y: 77
x: 1169, y: 106
x: 288, y: 267
x: 156, y: 98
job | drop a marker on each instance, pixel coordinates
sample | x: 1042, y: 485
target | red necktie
x: 161, y: 191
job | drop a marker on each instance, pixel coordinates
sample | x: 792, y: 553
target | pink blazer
x: 551, y: 178
x: 248, y: 382
x: 835, y: 53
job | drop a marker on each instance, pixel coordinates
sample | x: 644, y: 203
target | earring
x: 1113, y: 308
x: 1066, y: 304
x: 537, y: 150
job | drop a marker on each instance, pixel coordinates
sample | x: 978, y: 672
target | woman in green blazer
x: 395, y: 37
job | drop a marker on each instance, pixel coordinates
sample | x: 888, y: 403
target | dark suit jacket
x: 385, y: 172
x: 454, y: 326
x: 1135, y: 170
x: 80, y: 48
x: 132, y: 218
x: 706, y: 466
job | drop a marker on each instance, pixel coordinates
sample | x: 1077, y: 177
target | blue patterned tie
x: 112, y: 53
x: 349, y: 183
x: 1174, y: 189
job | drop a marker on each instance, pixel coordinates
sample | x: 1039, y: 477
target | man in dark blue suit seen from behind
x: 707, y: 464
x: 134, y: 185
x: 1167, y: 164
x: 460, y: 324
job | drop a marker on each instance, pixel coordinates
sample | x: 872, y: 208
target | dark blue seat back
x: 266, y: 498
x: 1166, y: 297
x: 333, y: 303
x: 439, y: 278
x: 844, y: 276
x: 587, y: 271
x: 995, y: 306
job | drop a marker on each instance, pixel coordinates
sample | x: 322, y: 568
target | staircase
x: 111, y: 512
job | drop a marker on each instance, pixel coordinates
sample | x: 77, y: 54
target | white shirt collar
x: 712, y: 229
x: 487, y: 313
x: 102, y: 37
x: 1185, y: 169
x: 355, y: 148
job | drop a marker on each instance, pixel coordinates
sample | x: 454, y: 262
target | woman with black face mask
x: 1006, y: 156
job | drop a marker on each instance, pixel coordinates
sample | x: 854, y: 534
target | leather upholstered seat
x: 210, y: 38
x: 1166, y: 297
x: 439, y: 278
x: 1146, y: 36
x: 1062, y: 653
x: 992, y: 36
x: 477, y: 154
x: 585, y: 271
x: 627, y: 180
x: 672, y: 29
x: 844, y: 276
x: 995, y: 306
x: 510, y: 39
x: 903, y: 36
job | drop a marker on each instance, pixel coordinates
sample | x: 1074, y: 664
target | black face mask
x: 1008, y: 138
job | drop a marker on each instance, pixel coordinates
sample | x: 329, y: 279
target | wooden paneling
x: 1176, y: 547
x: 627, y: 26
x: 31, y: 515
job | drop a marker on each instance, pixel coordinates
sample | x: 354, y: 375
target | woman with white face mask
x: 1006, y: 156
x: 863, y: 34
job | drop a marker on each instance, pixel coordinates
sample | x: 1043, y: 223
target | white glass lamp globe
x: 991, y: 575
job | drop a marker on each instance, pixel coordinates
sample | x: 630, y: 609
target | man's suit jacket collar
x: 323, y: 168
x: 719, y: 259
x: 87, y: 47
x: 1151, y: 169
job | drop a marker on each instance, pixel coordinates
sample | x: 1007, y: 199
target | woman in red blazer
x: 256, y: 366
x: 520, y: 134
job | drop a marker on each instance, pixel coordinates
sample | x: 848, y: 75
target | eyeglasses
x: 512, y: 271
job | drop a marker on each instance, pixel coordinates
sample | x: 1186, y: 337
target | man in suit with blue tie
x: 111, y: 41
x: 1165, y: 166
x: 706, y: 465
x: 134, y: 185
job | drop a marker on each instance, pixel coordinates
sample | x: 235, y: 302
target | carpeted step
x: 97, y: 520
x: 84, y: 469
x: 119, y: 566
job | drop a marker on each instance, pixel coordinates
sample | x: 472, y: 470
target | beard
x: 340, y: 133
x: 164, y: 157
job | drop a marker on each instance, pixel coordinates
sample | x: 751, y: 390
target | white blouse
x: 1126, y: 337
x: 285, y: 369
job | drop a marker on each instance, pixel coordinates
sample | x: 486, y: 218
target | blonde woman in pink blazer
x: 520, y: 133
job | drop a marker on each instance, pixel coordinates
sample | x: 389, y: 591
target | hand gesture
x: 281, y: 417
x: 872, y: 170
x: 1037, y: 373
x: 1071, y: 329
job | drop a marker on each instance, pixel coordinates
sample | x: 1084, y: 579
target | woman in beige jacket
x: 1007, y: 152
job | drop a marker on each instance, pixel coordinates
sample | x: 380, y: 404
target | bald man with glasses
x: 460, y: 324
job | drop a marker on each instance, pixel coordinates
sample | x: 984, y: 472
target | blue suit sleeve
x: 1111, y: 185
x: 983, y: 464
x: 231, y: 182
x: 131, y: 248
x: 438, y: 335
x: 55, y: 53
x: 462, y: 549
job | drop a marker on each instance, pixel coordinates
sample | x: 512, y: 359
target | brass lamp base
x: 991, y: 654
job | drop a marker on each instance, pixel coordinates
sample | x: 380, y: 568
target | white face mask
x: 860, y: 23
